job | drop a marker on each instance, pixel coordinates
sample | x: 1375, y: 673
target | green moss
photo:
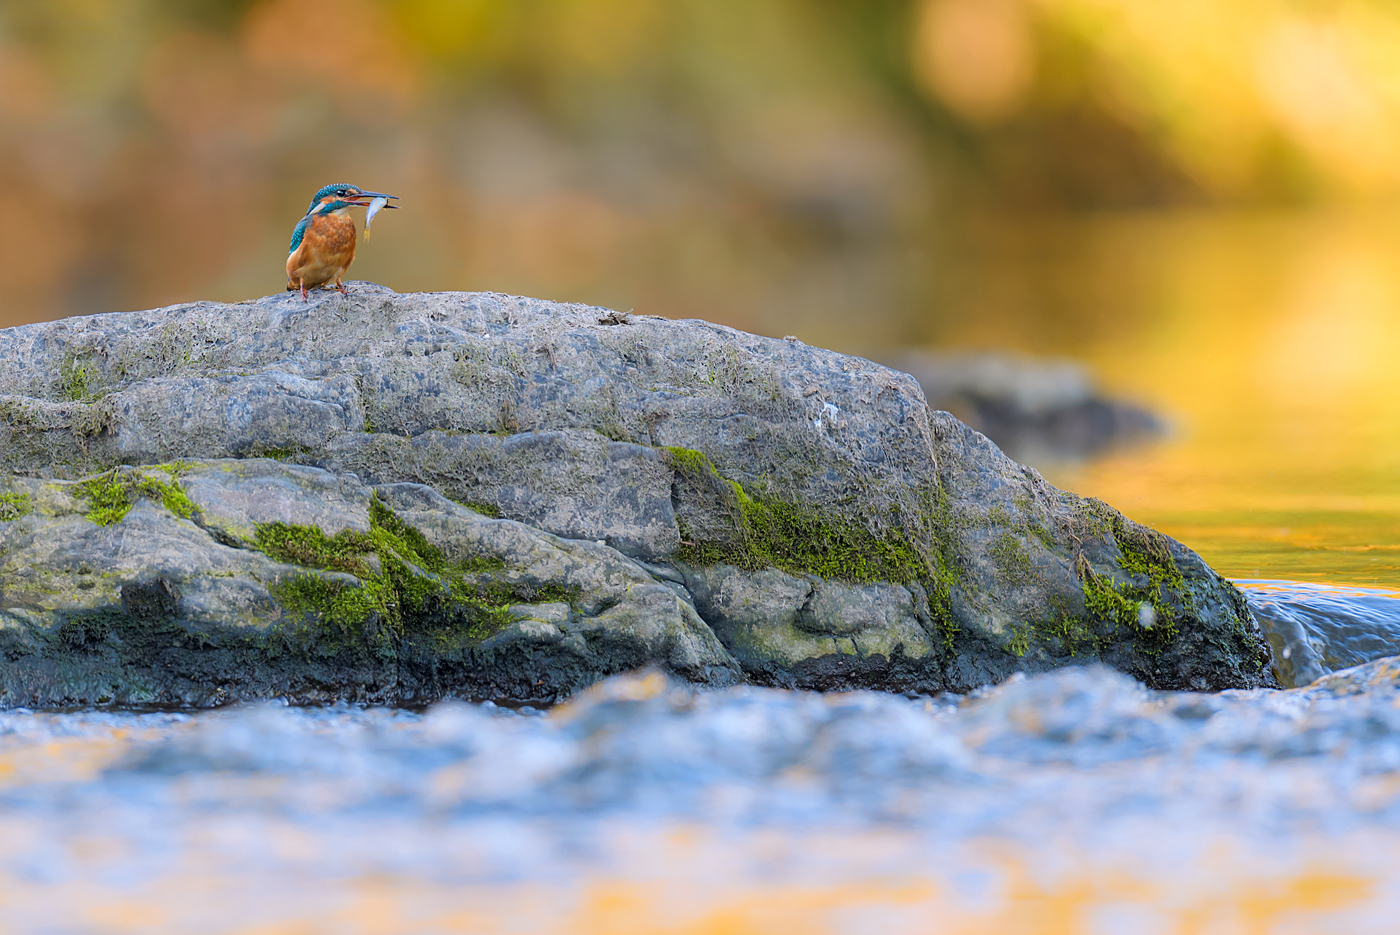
x: 688, y: 461
x: 999, y: 515
x: 482, y: 507
x: 171, y: 495
x: 1095, y: 518
x: 613, y: 430
x: 1105, y: 600
x: 517, y: 593
x: 108, y: 498
x: 310, y: 547
x: 1109, y: 605
x: 1043, y: 535
x: 340, y: 604
x: 14, y: 506
x: 489, y: 621
x: 404, y: 538
x: 80, y: 632
x: 74, y: 377
x: 1144, y: 553
x: 1020, y: 642
x: 17, y: 414
x: 936, y: 509
x: 1011, y: 558
x: 939, y: 587
x: 111, y: 496
x: 92, y: 420
x: 772, y: 533
x: 416, y: 589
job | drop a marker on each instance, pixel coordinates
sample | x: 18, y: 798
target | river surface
x: 1069, y: 802
x: 1072, y: 802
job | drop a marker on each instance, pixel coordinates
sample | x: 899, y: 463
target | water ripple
x: 1315, y: 629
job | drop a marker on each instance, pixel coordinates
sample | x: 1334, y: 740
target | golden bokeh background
x: 1193, y: 196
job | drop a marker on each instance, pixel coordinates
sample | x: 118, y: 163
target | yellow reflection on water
x: 1270, y: 342
x: 705, y: 885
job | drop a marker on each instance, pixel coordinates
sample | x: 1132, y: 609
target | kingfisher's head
x: 352, y: 195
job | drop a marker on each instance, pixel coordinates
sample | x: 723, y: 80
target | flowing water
x: 1069, y: 802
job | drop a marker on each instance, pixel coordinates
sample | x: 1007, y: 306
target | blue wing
x: 298, y: 233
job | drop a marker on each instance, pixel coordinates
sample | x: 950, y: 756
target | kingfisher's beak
x: 368, y: 196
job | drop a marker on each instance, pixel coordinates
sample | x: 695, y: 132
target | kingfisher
x: 323, y: 242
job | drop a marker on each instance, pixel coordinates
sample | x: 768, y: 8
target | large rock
x: 674, y: 492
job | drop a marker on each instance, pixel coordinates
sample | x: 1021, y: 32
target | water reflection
x: 1267, y: 342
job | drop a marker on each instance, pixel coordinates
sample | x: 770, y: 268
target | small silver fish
x: 374, y: 207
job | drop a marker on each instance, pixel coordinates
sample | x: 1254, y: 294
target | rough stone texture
x: 156, y: 608
x: 587, y: 428
x: 810, y: 633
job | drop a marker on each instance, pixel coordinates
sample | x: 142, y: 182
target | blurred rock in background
x: 1038, y: 410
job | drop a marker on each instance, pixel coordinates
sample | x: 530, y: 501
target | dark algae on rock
x: 396, y: 498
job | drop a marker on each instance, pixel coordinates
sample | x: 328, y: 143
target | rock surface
x: 400, y: 497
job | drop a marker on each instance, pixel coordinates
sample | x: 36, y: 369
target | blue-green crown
x: 325, y: 191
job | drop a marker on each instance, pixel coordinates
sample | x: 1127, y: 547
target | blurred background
x: 1194, y: 200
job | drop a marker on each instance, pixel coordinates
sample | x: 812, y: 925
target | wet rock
x: 711, y: 501
x: 150, y: 600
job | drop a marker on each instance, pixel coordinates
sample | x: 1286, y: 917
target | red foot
x: 303, y: 293
x: 340, y: 287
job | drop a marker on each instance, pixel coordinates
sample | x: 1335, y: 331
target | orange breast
x: 325, y: 253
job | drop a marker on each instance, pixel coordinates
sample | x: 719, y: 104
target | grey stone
x: 156, y: 608
x: 577, y: 484
x: 235, y: 495
x: 802, y: 515
x: 809, y: 633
